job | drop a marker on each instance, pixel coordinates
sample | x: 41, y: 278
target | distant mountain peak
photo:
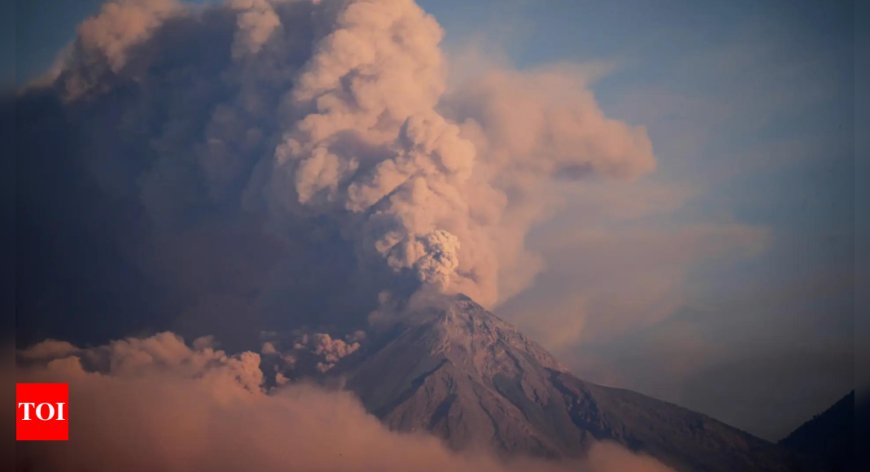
x: 828, y: 436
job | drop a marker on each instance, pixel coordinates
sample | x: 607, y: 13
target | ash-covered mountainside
x: 467, y: 376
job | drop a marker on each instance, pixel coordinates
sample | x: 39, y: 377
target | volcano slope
x: 460, y: 372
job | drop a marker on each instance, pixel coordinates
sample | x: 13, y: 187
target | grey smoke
x: 258, y: 154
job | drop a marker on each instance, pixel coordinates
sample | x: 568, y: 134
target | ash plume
x: 262, y: 147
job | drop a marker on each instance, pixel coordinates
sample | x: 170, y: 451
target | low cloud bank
x: 157, y: 403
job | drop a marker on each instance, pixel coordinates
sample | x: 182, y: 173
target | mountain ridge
x: 828, y: 436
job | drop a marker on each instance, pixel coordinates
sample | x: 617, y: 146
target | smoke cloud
x: 157, y: 403
x: 120, y: 25
x: 306, y: 352
x: 318, y: 137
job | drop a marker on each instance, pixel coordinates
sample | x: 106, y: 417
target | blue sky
x: 740, y: 242
x: 749, y: 108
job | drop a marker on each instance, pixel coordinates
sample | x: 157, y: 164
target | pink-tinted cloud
x: 358, y: 128
x: 144, y: 404
x: 613, y: 265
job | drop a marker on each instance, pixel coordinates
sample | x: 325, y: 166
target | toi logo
x: 42, y: 412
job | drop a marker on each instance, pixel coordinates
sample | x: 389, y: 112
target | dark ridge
x: 829, y: 436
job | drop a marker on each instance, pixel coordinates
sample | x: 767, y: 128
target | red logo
x: 42, y: 412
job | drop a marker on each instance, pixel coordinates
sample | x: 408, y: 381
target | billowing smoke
x: 120, y: 26
x: 355, y: 133
x: 437, y: 199
x: 157, y: 403
x: 282, y: 161
x: 300, y: 353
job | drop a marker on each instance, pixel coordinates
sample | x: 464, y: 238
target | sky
x: 722, y: 279
x: 742, y: 236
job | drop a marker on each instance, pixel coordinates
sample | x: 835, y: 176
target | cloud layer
x: 157, y: 403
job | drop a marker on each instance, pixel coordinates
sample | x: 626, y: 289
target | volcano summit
x: 460, y: 372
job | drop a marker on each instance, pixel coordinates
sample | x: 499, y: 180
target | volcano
x: 458, y: 371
